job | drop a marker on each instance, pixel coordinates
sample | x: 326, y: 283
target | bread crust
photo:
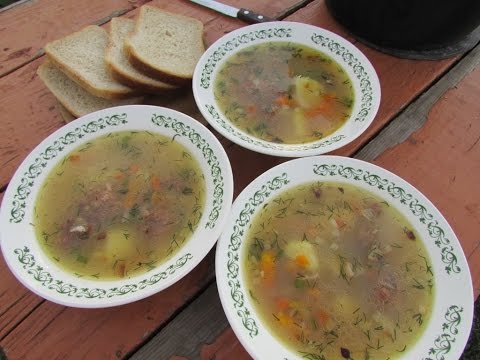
x: 143, y: 65
x: 138, y: 64
x: 63, y: 96
x: 79, y: 78
x: 126, y: 78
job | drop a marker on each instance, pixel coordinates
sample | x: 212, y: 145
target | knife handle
x: 252, y: 17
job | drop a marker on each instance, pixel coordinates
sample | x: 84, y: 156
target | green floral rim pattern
x: 184, y: 130
x: 443, y: 343
x: 414, y: 205
x: 233, y: 267
x: 218, y: 54
x: 357, y: 68
x: 23, y: 191
x: 232, y: 130
x: 43, y: 277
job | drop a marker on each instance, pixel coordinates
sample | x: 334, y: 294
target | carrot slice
x: 322, y: 317
x: 314, y: 292
x: 133, y: 190
x: 267, y: 266
x: 284, y: 100
x: 282, y: 303
x: 134, y: 168
x: 74, y: 158
x: 302, y: 260
x: 155, y: 182
x: 119, y: 176
x: 284, y: 319
x: 340, y: 222
x: 324, y: 108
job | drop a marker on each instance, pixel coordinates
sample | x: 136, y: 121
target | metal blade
x: 215, y: 5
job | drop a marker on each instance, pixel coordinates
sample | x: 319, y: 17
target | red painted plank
x: 401, y: 80
x: 58, y: 332
x: 474, y: 263
x: 226, y: 346
x: 16, y: 302
x: 442, y: 158
x: 28, y: 115
x: 26, y: 28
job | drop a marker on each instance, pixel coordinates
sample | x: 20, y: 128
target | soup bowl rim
x: 448, y: 329
x: 39, y: 273
x: 361, y: 72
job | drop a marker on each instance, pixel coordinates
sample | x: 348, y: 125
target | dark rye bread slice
x: 164, y: 45
x: 74, y: 98
x: 120, y: 67
x: 81, y: 56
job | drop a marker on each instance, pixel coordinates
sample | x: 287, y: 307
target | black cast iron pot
x: 412, y: 28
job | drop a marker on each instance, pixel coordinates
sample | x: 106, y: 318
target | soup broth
x: 337, y: 273
x: 119, y: 205
x: 284, y: 92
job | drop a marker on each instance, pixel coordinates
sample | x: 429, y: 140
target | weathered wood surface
x: 182, y: 336
x: 435, y: 145
x: 28, y: 26
x: 16, y: 302
x: 442, y: 160
x: 33, y: 328
x: 29, y: 118
x: 58, y: 332
x: 27, y: 108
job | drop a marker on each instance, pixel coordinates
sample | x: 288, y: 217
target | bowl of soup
x: 286, y: 89
x: 115, y: 206
x: 334, y: 258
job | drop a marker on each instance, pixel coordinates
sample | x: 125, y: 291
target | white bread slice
x: 74, y: 98
x: 66, y: 115
x: 120, y: 67
x: 165, y: 45
x: 81, y: 56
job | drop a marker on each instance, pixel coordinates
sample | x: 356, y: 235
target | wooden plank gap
x: 34, y: 57
x: 24, y: 317
x: 99, y: 22
x: 114, y: 14
x: 294, y: 8
x: 5, y: 310
x: 147, y: 340
x: 50, y: 321
x: 189, y: 329
x: 414, y: 116
x: 472, y: 253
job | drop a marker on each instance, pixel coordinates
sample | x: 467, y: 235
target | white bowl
x: 364, y: 78
x: 41, y: 275
x: 449, y: 326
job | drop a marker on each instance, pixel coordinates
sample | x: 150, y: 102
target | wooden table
x: 427, y: 131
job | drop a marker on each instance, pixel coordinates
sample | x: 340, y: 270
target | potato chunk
x: 303, y: 253
x: 308, y: 92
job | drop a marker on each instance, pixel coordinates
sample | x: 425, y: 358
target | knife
x: 246, y: 15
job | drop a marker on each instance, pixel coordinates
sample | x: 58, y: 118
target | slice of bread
x: 120, y: 67
x: 81, y: 56
x: 165, y: 45
x: 66, y: 115
x: 74, y: 98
